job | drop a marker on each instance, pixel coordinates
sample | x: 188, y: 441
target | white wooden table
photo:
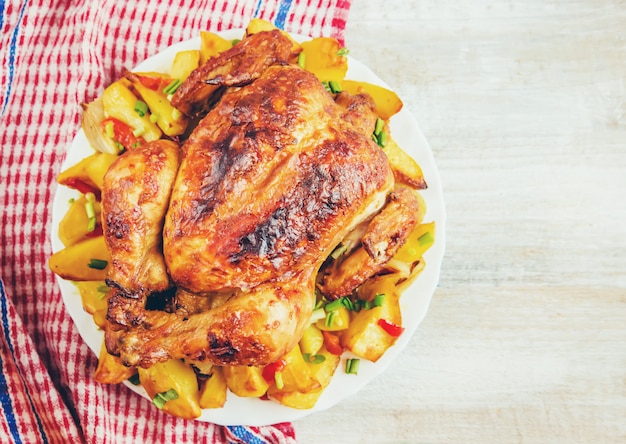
x: 524, y: 104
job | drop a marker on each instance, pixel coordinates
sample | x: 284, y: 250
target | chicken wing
x: 237, y: 66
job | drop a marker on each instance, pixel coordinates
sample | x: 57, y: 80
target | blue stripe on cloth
x: 245, y: 435
x: 11, y: 62
x: 257, y: 9
x: 5, y: 326
x: 281, y: 17
x: 5, y: 397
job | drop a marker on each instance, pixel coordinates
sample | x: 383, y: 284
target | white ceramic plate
x: 414, y: 302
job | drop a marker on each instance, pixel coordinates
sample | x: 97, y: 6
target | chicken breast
x: 271, y: 180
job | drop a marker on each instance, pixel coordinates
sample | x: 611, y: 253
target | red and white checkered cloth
x: 57, y: 54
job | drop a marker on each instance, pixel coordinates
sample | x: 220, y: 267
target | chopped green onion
x: 315, y: 359
x: 347, y: 302
x: 172, y: 87
x: 278, y: 379
x: 381, y: 139
x: 97, y: 264
x: 334, y: 305
x: 71, y: 200
x: 134, y: 380
x: 154, y: 118
x: 380, y: 124
x: 341, y: 249
x: 176, y: 114
x: 302, y: 59
x: 141, y: 108
x: 425, y: 239
x: 335, y: 87
x: 317, y: 314
x: 91, y: 212
x: 327, y: 86
x: 330, y: 317
x: 139, y: 131
x: 108, y: 129
x: 160, y: 399
x: 378, y: 300
x: 119, y: 146
x: 352, y: 366
x: 91, y: 224
x: 103, y: 291
x: 233, y: 42
x: 343, y: 52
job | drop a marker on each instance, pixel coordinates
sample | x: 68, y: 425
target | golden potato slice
x: 213, y: 391
x: 93, y: 294
x: 74, y: 227
x: 365, y: 337
x: 387, y: 102
x: 323, y: 373
x: 420, y: 240
x: 110, y: 369
x: 88, y: 174
x: 312, y: 340
x: 170, y: 120
x: 211, y: 45
x: 322, y: 56
x: 174, y: 375
x: 245, y: 381
x: 296, y: 374
x: 87, y: 260
x: 184, y: 63
x: 119, y: 103
x: 405, y: 169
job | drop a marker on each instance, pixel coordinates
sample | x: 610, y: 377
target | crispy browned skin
x: 385, y: 234
x: 271, y: 180
x: 135, y: 196
x: 237, y: 66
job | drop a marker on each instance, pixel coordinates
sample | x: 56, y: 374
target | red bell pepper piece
x: 269, y: 371
x: 332, y: 344
x: 392, y: 329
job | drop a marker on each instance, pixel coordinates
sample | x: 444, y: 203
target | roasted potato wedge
x: 365, y: 337
x: 170, y: 120
x: 88, y: 174
x: 405, y: 169
x: 184, y: 63
x: 296, y: 374
x: 322, y: 372
x: 74, y: 227
x: 213, y: 390
x: 387, y: 102
x: 94, y: 296
x: 245, y: 381
x: 119, y: 103
x: 211, y: 45
x: 322, y: 56
x: 176, y: 375
x: 312, y: 340
x: 87, y: 260
x: 110, y: 369
x: 420, y: 240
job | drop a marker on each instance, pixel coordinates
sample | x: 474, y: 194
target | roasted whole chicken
x: 218, y: 245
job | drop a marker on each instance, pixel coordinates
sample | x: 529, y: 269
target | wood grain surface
x: 524, y: 104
